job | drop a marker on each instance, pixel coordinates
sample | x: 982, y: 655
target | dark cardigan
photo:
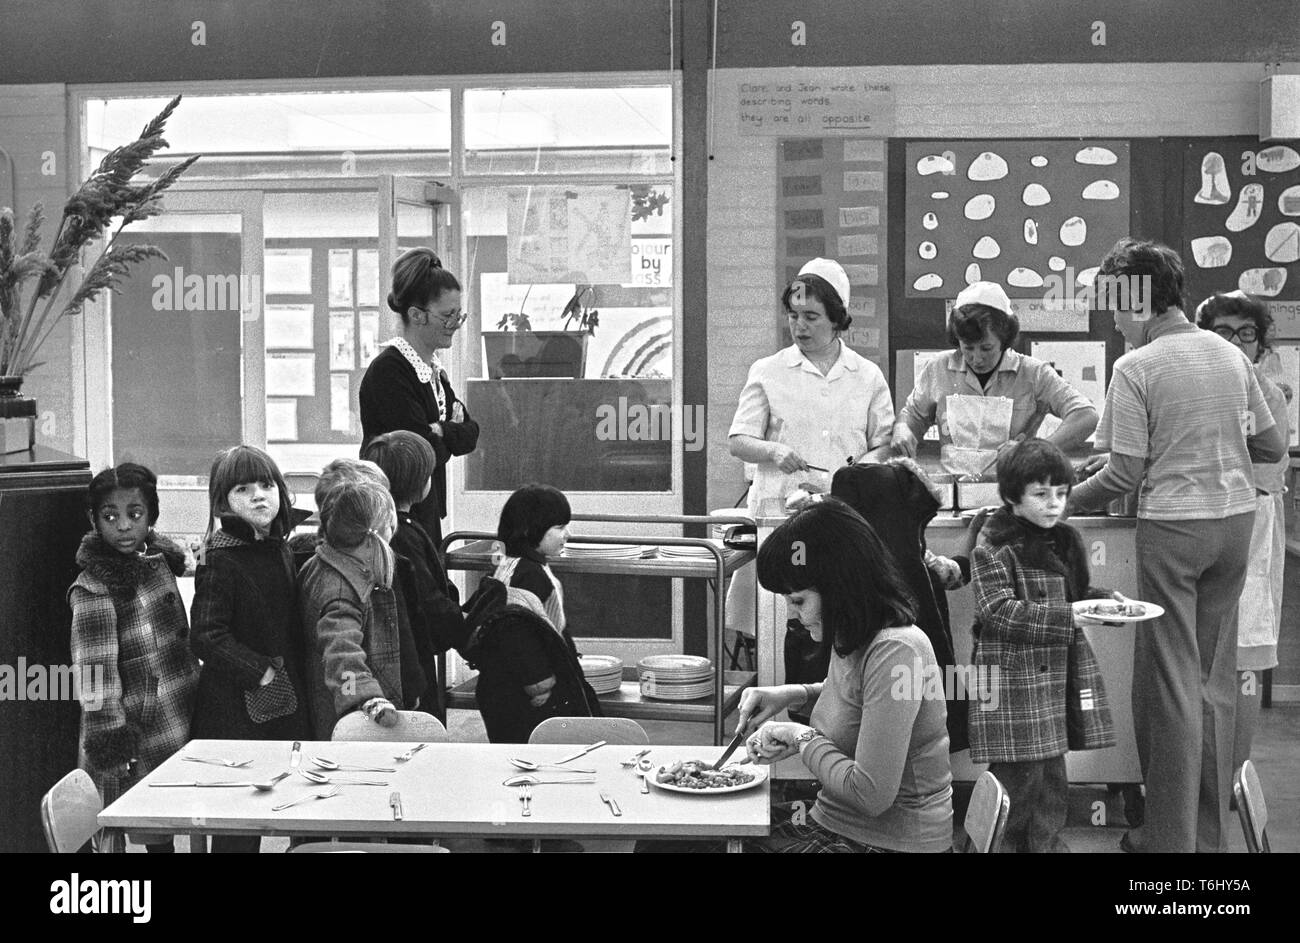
x: 392, y: 397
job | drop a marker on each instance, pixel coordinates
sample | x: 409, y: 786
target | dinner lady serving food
x: 985, y: 396
x: 807, y: 408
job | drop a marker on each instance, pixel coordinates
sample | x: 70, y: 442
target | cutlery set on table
x: 321, y: 775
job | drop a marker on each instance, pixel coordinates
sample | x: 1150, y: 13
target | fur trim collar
x: 121, y: 573
x: 910, y: 464
x: 1059, y: 550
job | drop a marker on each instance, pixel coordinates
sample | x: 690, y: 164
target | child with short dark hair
x: 130, y: 637
x: 1028, y: 570
x: 363, y: 652
x: 527, y: 662
x: 433, y: 600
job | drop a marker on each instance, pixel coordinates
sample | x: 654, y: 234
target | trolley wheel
x: 1135, y: 805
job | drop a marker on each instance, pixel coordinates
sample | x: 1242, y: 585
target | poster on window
x: 343, y: 354
x: 340, y: 268
x: 569, y: 234
x: 368, y: 337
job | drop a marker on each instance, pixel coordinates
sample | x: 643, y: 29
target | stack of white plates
x: 685, y: 552
x: 580, y: 551
x: 675, y: 677
x: 603, y: 672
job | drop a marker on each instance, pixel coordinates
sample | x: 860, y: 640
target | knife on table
x: 583, y: 752
x: 295, y: 755
x: 395, y: 800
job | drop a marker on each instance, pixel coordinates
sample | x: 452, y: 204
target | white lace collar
x: 424, y: 370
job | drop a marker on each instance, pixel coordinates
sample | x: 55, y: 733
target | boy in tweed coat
x: 1027, y: 571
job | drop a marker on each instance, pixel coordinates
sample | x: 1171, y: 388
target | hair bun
x: 393, y: 303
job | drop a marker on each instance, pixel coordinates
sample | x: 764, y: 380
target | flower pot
x: 531, y: 354
x: 17, y: 417
x: 9, y: 386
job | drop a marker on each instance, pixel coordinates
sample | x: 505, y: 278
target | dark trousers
x: 1038, y: 790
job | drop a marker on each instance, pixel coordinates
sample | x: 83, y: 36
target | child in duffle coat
x: 432, y: 599
x: 130, y: 638
x: 363, y: 652
x: 245, y: 614
x: 1028, y: 568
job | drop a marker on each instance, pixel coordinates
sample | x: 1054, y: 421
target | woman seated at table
x: 877, y: 745
x: 983, y: 329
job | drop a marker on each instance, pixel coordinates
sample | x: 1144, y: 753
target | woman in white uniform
x: 810, y: 408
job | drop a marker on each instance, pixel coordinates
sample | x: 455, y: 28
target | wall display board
x: 1034, y: 216
x: 831, y: 202
x: 1241, y: 218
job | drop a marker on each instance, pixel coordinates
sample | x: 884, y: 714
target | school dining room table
x: 443, y: 790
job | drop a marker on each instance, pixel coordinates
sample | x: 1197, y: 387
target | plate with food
x: 697, y: 777
x: 1114, y: 611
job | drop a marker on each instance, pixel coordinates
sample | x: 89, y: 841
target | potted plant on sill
x: 106, y: 198
x: 515, y: 350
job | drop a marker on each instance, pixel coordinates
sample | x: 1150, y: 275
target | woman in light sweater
x: 878, y: 743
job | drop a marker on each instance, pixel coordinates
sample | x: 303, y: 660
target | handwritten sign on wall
x: 817, y: 108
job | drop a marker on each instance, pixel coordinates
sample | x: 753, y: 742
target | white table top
x: 446, y: 789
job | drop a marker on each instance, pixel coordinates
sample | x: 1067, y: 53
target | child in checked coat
x: 1028, y: 569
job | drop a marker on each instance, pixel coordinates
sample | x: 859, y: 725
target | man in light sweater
x: 1184, y: 416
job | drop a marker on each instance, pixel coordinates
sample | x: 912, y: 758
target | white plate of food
x: 734, y: 777
x: 1113, y: 611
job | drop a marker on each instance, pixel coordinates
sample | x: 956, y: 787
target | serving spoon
x: 331, y: 765
x: 322, y: 778
x: 532, y: 767
x: 260, y: 787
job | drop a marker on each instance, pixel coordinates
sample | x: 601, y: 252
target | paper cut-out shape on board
x: 1085, y: 278
x: 940, y: 195
x: 1090, y: 374
x: 930, y: 221
x: 980, y: 206
x: 1277, y: 159
x: 927, y: 250
x: 986, y: 248
x: 973, y: 273
x: 1214, y: 181
x: 1021, y: 277
x: 988, y: 166
x: 1056, y: 263
x: 1282, y: 244
x: 1246, y: 213
x: 1288, y: 201
x: 1262, y: 281
x: 1099, y: 156
x: 934, y: 164
x: 1035, y: 195
x: 1211, y: 251
x: 1101, y: 190
x: 1038, y: 160
x: 1074, y: 231
x: 1031, y: 232
x: 928, y: 282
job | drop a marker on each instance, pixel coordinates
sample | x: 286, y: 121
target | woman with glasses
x: 406, y: 387
x: 1244, y: 322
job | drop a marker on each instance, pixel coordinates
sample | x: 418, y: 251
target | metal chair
x: 986, y: 816
x: 69, y: 811
x: 581, y: 730
x: 412, y: 726
x: 619, y: 730
x: 1250, y: 808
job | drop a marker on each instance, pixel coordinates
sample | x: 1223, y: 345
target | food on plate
x: 1131, y: 610
x: 696, y: 774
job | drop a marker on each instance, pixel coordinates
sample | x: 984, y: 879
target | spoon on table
x: 331, y: 765
x: 323, y: 794
x: 534, y: 767
x: 322, y: 778
x: 260, y: 787
x: 643, y: 768
x: 217, y: 761
x: 527, y: 779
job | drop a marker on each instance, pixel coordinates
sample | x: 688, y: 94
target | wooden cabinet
x: 42, y: 520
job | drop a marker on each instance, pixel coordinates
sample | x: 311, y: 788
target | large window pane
x: 581, y: 412
x: 308, y: 134
x: 569, y: 130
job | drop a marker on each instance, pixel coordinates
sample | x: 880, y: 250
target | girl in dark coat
x: 245, y: 615
x: 405, y: 386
